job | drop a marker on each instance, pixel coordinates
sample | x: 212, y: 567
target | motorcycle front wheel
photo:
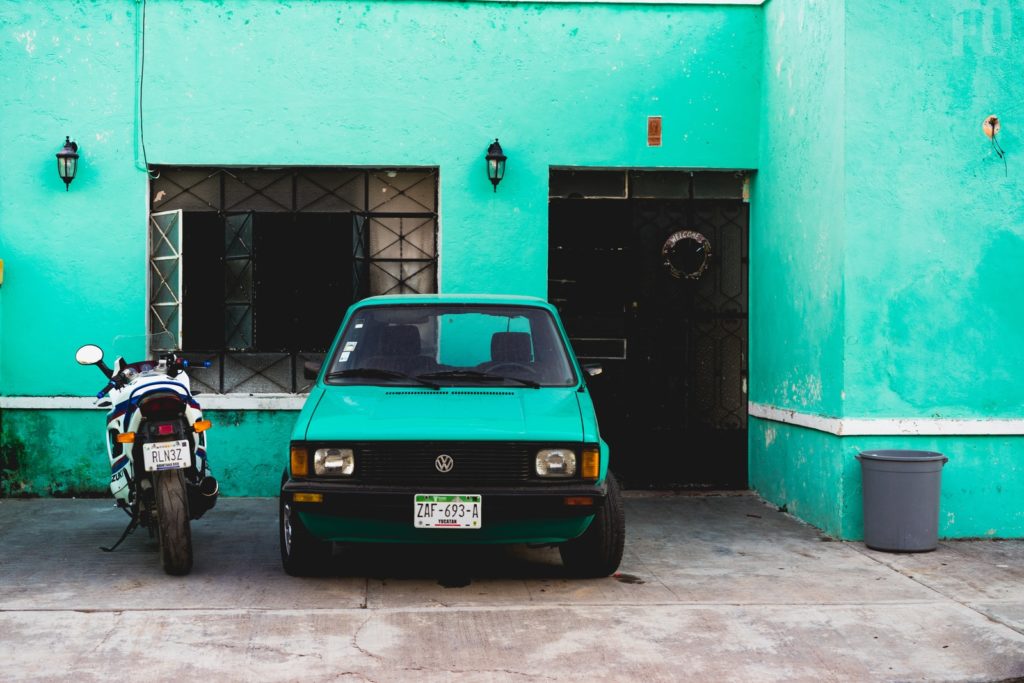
x: 173, y: 530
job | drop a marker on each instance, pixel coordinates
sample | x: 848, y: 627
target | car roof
x: 493, y: 299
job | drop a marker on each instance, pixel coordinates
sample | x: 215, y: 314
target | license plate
x: 447, y: 511
x: 167, y: 455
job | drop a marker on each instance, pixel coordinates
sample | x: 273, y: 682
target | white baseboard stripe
x: 208, y: 401
x: 890, y: 426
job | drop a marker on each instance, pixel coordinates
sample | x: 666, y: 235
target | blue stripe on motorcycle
x: 119, y: 464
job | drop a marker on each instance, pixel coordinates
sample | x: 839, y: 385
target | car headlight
x: 556, y: 462
x: 334, y: 461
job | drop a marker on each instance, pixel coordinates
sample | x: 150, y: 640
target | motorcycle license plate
x: 447, y: 511
x: 167, y: 455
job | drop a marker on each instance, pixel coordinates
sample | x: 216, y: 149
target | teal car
x: 450, y: 419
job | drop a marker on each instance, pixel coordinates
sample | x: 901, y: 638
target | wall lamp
x: 495, y: 163
x: 67, y: 161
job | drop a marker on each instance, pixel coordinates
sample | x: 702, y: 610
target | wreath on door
x: 686, y: 254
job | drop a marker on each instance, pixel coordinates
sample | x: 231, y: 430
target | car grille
x: 493, y: 463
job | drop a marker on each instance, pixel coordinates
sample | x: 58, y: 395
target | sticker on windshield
x: 350, y: 346
x: 344, y: 356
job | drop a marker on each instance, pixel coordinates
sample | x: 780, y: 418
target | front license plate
x: 447, y: 511
x: 167, y: 455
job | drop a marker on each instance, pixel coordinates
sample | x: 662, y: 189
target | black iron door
x: 672, y: 399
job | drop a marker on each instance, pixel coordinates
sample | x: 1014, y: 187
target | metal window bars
x: 164, y: 321
x: 394, y: 219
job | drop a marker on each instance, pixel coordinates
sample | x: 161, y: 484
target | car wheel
x: 598, y: 551
x: 302, y: 554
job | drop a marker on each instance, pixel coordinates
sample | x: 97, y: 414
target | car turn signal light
x: 202, y: 426
x: 308, y: 498
x: 300, y: 462
x: 127, y: 437
x: 591, y: 468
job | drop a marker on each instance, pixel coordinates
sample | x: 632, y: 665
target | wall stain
x: 12, y: 454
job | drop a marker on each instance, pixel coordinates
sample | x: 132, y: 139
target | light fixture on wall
x: 67, y: 161
x: 495, y: 163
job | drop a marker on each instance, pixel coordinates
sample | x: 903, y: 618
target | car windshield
x: 451, y: 345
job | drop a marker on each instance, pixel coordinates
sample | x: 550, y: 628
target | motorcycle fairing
x: 126, y: 417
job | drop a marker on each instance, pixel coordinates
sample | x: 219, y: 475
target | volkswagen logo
x: 444, y: 463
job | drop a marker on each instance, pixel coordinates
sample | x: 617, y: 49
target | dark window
x: 253, y: 269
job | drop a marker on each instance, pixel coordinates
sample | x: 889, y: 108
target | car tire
x: 302, y: 554
x: 598, y: 551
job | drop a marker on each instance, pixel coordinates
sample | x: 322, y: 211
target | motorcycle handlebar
x: 175, y: 363
x: 110, y: 385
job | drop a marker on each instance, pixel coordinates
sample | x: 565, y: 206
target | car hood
x: 462, y: 413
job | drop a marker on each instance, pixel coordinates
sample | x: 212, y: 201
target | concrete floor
x: 712, y: 587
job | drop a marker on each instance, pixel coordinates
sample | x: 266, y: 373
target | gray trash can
x: 901, y: 499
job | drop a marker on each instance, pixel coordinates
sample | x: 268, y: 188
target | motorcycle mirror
x: 90, y: 354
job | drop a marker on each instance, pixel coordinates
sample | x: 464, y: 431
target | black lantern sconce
x: 67, y: 161
x: 495, y: 163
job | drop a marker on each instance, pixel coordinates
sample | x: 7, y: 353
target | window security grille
x: 387, y: 218
x: 165, y: 279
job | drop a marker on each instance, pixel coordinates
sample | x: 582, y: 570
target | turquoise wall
x: 886, y: 236
x: 887, y: 250
x: 74, y: 262
x: 379, y: 83
x: 62, y: 452
x: 817, y: 477
x: 935, y: 242
x: 801, y: 471
x: 305, y: 83
x: 797, y: 231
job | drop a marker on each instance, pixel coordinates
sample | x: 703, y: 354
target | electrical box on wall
x: 654, y: 131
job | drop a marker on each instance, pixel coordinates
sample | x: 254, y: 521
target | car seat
x: 511, y: 347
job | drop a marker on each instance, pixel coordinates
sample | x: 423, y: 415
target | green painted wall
x: 799, y: 469
x: 52, y: 453
x: 307, y: 83
x: 887, y: 243
x: 797, y: 232
x: 817, y: 477
x: 62, y: 452
x: 379, y: 83
x: 797, y: 246
x: 74, y: 262
x: 935, y: 241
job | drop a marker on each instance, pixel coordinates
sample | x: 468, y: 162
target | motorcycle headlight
x: 556, y: 462
x: 339, y: 462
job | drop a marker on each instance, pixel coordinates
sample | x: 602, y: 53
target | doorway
x: 649, y: 272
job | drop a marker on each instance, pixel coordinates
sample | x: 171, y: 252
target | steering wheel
x: 512, y: 365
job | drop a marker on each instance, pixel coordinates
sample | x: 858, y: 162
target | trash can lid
x: 903, y: 456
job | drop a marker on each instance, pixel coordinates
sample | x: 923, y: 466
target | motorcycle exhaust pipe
x: 202, y: 497
x: 209, y: 487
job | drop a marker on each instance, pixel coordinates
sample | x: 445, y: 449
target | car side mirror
x: 90, y: 354
x: 310, y: 369
x: 593, y: 369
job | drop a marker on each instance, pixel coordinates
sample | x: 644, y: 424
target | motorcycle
x: 156, y: 442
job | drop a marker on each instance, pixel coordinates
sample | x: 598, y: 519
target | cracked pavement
x: 716, y: 587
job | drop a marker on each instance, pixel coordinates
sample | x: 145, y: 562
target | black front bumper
x: 395, y: 503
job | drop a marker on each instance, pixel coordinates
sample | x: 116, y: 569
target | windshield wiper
x: 380, y: 373
x: 476, y: 374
